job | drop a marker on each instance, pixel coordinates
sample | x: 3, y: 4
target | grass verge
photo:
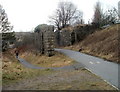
x: 12, y: 70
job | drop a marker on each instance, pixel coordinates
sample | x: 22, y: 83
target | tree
x: 101, y: 18
x: 110, y: 17
x: 97, y: 14
x: 5, y: 28
x: 66, y: 14
x: 78, y: 19
x: 42, y: 27
x: 4, y: 24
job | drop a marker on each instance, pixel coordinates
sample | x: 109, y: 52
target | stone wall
x: 39, y: 42
x: 65, y: 38
x: 49, y: 41
x: 45, y: 40
x: 69, y: 36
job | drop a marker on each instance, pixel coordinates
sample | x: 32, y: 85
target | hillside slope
x: 102, y: 43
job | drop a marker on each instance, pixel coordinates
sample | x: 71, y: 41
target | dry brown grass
x: 103, y: 43
x: 57, y: 60
x: 13, y: 70
x: 63, y: 80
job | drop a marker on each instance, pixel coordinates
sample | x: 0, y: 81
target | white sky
x: 24, y: 15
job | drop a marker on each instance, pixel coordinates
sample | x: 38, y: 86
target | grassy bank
x: 102, y: 43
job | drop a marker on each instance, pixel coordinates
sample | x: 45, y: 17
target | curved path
x: 26, y: 64
x: 106, y: 70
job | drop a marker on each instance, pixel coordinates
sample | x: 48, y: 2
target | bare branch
x: 65, y: 13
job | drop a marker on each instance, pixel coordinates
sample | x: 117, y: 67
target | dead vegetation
x: 62, y: 80
x: 12, y: 70
x: 16, y: 76
x: 58, y: 60
x: 102, y: 43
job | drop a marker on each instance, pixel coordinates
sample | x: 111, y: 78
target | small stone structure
x: 45, y: 40
x: 65, y: 38
x: 69, y: 36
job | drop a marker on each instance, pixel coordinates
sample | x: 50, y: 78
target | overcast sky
x: 24, y: 15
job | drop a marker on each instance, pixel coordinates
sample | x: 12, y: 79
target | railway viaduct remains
x: 45, y: 39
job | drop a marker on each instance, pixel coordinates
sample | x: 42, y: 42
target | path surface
x: 106, y: 70
x: 60, y: 80
x: 74, y: 66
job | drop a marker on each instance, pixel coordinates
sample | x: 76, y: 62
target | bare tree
x: 4, y: 24
x: 78, y: 19
x: 7, y: 37
x: 97, y: 13
x: 66, y: 14
x: 110, y: 16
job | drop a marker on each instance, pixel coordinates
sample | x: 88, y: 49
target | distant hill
x: 102, y: 43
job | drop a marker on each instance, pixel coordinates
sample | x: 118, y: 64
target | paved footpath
x: 106, y: 70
